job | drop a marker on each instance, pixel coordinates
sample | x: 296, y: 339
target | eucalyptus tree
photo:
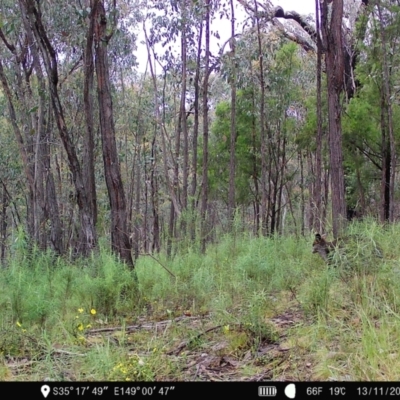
x: 58, y: 46
x: 263, y: 138
x: 205, y: 88
x: 196, y: 119
x: 168, y: 22
x: 120, y: 242
x: 372, y: 116
x: 30, y: 115
x: 317, y: 215
x: 285, y: 84
x: 185, y: 32
x: 340, y: 61
x: 332, y: 39
x: 185, y: 72
x: 232, y: 150
x: 87, y: 236
x: 388, y: 19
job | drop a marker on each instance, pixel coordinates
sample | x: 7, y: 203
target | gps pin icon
x: 45, y: 389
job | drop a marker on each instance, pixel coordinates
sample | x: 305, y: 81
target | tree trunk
x: 204, y: 185
x: 154, y: 198
x: 3, y: 224
x: 255, y: 168
x: 182, y: 110
x: 264, y: 212
x: 385, y: 150
x: 334, y: 58
x: 120, y: 242
x: 88, y: 160
x: 317, y: 195
x: 136, y: 197
x: 196, y: 83
x: 232, y: 158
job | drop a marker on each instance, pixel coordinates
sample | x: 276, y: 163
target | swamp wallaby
x: 361, y: 248
x: 322, y: 247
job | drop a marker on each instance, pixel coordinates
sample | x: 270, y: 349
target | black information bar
x: 186, y: 390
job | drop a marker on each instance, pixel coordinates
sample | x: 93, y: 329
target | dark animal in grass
x: 323, y: 247
x: 358, y: 247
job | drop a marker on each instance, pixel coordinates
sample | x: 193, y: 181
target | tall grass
x: 347, y: 314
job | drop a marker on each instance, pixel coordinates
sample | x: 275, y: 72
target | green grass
x: 249, y: 307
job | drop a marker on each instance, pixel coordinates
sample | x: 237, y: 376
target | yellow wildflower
x: 80, y: 310
x: 18, y: 324
x: 93, y: 311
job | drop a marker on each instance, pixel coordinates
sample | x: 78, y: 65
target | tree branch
x: 280, y: 13
x: 302, y: 41
x: 10, y: 46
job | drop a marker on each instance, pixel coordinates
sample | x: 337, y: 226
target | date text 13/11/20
x: 378, y: 391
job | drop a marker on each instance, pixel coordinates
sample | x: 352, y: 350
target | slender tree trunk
x: 386, y: 157
x: 51, y: 205
x: 182, y: 110
x: 388, y: 107
x: 264, y: 211
x: 311, y: 188
x: 120, y: 242
x: 361, y: 191
x: 255, y: 168
x: 39, y: 125
x: 204, y: 186
x: 136, y: 198
x: 196, y: 126
x: 88, y: 160
x: 326, y: 193
x: 145, y: 224
x: 232, y: 158
x: 175, y: 183
x: 317, y: 195
x: 154, y: 198
x: 3, y: 224
x: 281, y: 183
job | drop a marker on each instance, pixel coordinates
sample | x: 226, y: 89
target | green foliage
x: 284, y: 91
x: 247, y: 148
x: 365, y: 122
x: 246, y: 290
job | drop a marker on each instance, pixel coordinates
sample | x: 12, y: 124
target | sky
x: 301, y: 6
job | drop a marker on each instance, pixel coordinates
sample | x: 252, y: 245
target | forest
x: 170, y: 176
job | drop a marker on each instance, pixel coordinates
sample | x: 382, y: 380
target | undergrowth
x: 259, y: 304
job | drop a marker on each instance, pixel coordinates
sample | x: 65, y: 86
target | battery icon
x: 267, y: 391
